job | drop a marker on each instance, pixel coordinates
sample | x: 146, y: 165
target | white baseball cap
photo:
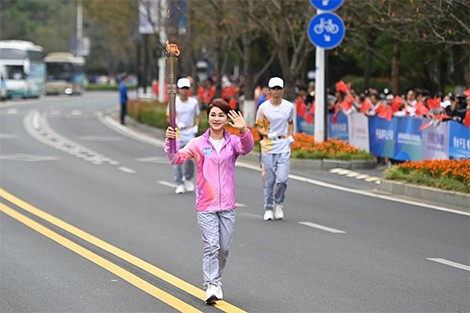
x: 445, y: 103
x: 183, y: 82
x: 276, y: 81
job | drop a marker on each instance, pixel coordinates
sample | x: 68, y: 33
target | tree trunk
x: 396, y: 64
x: 368, y: 65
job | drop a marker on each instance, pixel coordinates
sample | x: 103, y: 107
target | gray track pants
x: 217, y: 230
x: 275, y: 174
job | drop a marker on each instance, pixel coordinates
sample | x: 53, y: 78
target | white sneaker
x: 211, y: 294
x: 188, y: 186
x: 219, y: 293
x: 179, y: 189
x: 278, y: 213
x: 268, y: 215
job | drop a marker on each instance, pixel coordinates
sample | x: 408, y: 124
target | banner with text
x: 435, y: 143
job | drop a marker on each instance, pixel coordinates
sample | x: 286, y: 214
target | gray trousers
x: 217, y: 234
x: 185, y: 170
x: 275, y: 174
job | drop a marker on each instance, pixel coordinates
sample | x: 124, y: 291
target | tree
x: 416, y: 28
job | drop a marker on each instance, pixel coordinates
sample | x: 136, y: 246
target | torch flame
x: 172, y: 48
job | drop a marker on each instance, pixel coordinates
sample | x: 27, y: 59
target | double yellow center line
x: 113, y: 268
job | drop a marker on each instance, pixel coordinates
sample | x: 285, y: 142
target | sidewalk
x: 364, y: 170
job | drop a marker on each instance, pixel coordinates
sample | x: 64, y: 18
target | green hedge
x: 102, y: 87
x: 153, y: 113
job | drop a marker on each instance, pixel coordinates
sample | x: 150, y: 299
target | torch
x: 171, y: 61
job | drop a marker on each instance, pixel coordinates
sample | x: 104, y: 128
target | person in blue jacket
x: 123, y: 97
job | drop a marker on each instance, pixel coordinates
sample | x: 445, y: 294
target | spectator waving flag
x: 434, y: 103
x: 366, y: 105
x: 342, y: 86
x: 384, y: 111
x: 397, y: 103
x: 347, y: 104
x: 466, y: 119
x: 421, y: 109
x: 467, y: 92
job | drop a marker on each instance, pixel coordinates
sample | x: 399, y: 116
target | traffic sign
x: 327, y: 5
x: 326, y: 30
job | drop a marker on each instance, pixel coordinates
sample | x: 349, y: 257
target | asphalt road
x: 89, y: 222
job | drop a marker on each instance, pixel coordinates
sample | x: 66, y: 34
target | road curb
x: 444, y: 197
x: 324, y: 164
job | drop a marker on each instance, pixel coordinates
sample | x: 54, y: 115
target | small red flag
x: 421, y: 109
x: 384, y: 111
x: 346, y: 104
x: 335, y: 114
x: 396, y: 105
x: 341, y: 86
x: 434, y: 103
x: 441, y: 117
x: 426, y: 125
x: 467, y: 92
x: 466, y: 119
x: 366, y: 105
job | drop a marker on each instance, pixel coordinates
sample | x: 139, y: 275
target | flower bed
x: 305, y: 147
x: 443, y: 174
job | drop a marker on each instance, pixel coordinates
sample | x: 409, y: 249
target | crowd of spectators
x: 415, y: 102
x: 370, y: 102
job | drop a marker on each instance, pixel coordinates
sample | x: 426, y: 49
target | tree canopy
x: 397, y: 44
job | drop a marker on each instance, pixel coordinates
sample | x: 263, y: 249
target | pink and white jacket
x: 215, y: 176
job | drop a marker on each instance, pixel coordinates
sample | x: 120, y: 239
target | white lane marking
x: 362, y: 176
x: 157, y: 159
x: 126, y: 169
x: 335, y: 170
x: 352, y: 174
x: 450, y: 263
x: 321, y: 227
x: 165, y: 183
x: 240, y: 205
x: 107, y: 120
x: 26, y: 157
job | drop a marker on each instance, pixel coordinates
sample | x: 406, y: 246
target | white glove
x: 180, y: 125
x: 290, y: 139
x: 272, y: 135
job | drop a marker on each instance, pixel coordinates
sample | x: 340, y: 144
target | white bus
x: 23, y: 61
x: 65, y: 74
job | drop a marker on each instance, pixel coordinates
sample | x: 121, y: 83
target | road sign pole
x: 320, y: 95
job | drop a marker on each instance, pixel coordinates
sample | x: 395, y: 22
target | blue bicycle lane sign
x: 326, y: 30
x: 326, y: 5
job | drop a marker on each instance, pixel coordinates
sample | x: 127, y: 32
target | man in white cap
x: 275, y: 123
x: 187, y: 122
